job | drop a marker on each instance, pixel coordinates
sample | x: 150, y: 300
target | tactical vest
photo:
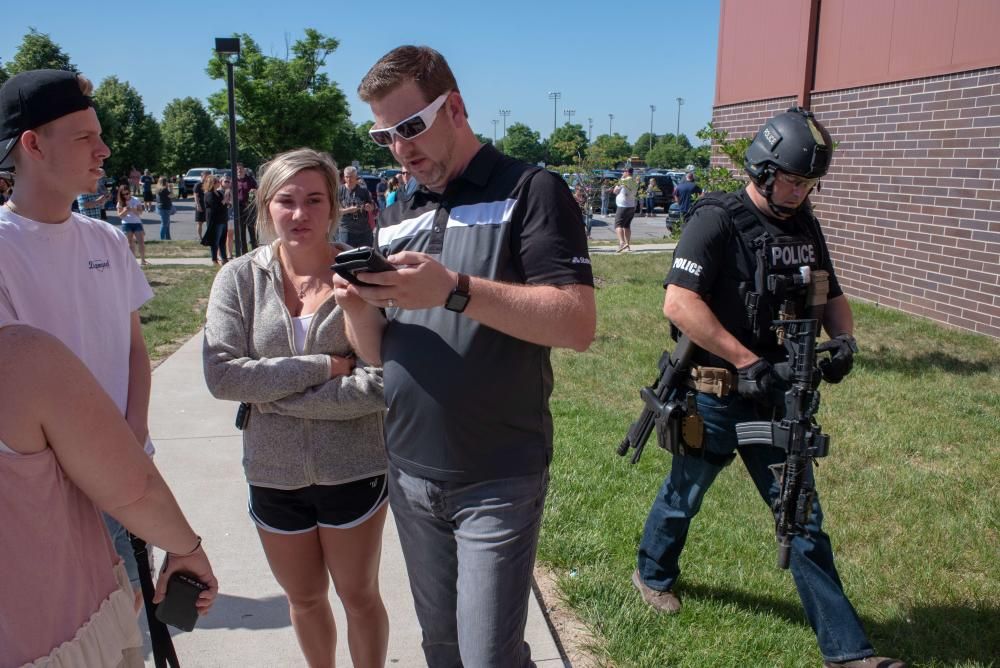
x: 781, y: 278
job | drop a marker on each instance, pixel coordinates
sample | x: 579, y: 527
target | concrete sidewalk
x: 199, y: 451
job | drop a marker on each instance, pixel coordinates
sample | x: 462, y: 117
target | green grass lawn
x: 177, y: 309
x: 187, y: 248
x: 635, y: 241
x: 909, y: 490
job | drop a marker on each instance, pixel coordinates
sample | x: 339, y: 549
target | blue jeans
x: 604, y: 204
x: 469, y: 550
x: 650, y: 205
x: 164, y: 223
x: 355, y: 239
x: 218, y: 236
x: 832, y: 617
x: 122, y: 545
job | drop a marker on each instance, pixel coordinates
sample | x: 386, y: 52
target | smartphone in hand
x: 178, y: 607
x: 365, y: 258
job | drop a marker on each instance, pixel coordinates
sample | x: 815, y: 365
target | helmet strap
x: 766, y: 188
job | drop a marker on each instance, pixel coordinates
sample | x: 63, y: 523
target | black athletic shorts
x: 623, y: 216
x: 303, y: 509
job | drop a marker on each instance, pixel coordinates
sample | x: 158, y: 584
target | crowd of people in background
x: 214, y: 210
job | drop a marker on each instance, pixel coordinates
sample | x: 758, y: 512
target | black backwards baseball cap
x: 31, y: 99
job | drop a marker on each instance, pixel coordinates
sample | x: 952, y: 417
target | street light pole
x: 569, y: 113
x: 652, y: 108
x: 229, y: 47
x: 680, y: 101
x: 590, y: 129
x: 505, y: 113
x: 611, y: 117
x: 555, y: 103
x: 495, y: 121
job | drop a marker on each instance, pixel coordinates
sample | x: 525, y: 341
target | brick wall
x: 911, y: 206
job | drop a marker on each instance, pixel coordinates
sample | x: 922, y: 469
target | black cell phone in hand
x: 365, y: 258
x: 178, y: 607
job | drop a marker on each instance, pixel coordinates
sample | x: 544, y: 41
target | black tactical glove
x: 841, y: 348
x: 754, y: 380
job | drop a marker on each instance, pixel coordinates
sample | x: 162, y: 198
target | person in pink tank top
x: 66, y: 454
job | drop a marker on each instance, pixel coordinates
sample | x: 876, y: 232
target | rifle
x: 797, y: 433
x: 665, y: 402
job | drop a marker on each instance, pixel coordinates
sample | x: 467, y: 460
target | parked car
x: 388, y: 173
x: 371, y: 182
x: 664, y: 196
x: 677, y: 176
x: 664, y: 183
x: 193, y: 177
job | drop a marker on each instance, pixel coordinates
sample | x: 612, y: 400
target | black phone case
x: 178, y: 607
x: 348, y: 263
x: 243, y: 416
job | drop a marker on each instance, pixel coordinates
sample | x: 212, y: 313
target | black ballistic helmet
x: 794, y: 142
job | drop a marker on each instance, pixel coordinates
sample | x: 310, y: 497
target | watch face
x: 457, y: 302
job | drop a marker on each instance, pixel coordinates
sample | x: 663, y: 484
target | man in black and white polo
x: 493, y: 271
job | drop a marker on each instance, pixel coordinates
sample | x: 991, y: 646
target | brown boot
x: 867, y: 662
x: 662, y: 601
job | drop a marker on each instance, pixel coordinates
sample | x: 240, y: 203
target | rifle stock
x: 658, y: 396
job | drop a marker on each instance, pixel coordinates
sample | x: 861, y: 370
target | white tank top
x: 301, y: 324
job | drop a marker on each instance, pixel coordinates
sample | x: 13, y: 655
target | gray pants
x: 469, y: 550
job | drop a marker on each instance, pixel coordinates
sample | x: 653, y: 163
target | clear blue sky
x: 604, y: 57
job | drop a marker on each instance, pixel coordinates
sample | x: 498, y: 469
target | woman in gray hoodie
x: 312, y: 438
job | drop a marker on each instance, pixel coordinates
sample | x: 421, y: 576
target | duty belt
x: 712, y: 380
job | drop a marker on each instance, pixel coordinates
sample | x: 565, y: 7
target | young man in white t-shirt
x: 62, y: 272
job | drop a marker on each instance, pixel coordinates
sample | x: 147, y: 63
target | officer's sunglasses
x: 412, y: 127
x: 796, y: 181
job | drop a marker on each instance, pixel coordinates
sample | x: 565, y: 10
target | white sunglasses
x: 412, y: 127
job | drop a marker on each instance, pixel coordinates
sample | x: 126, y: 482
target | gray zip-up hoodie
x: 305, y: 428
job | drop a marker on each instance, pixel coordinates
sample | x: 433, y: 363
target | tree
x: 720, y: 177
x: 131, y: 133
x: 566, y: 144
x: 523, y: 143
x: 671, y: 152
x: 190, y: 137
x: 345, y: 145
x: 641, y: 146
x: 39, y: 52
x: 701, y: 156
x: 668, y: 154
x: 483, y: 139
x: 608, y: 150
x: 287, y: 103
x: 3, y: 74
x: 371, y: 154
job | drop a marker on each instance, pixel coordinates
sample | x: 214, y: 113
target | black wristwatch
x: 459, y: 297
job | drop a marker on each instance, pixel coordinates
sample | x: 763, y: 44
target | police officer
x: 717, y: 294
